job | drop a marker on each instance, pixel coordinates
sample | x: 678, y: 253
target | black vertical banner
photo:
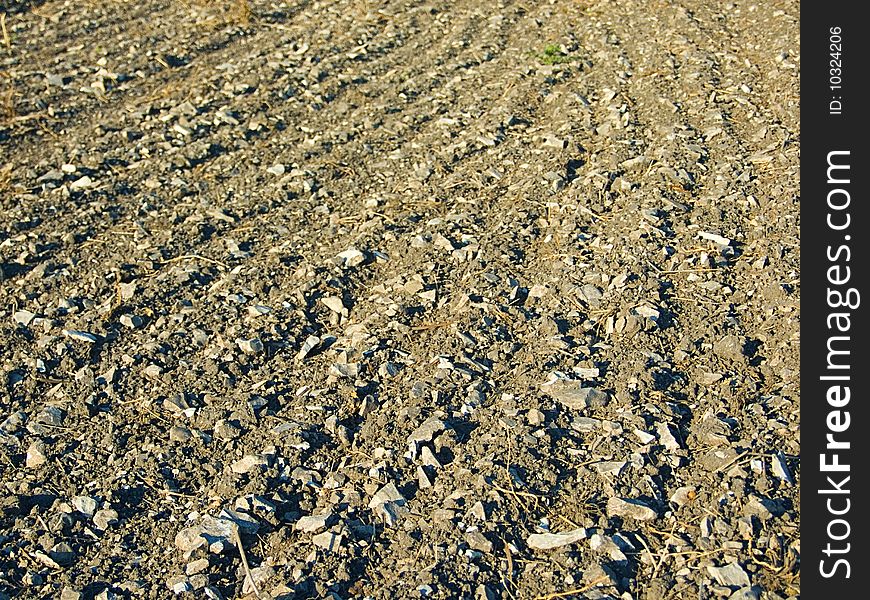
x: 835, y: 227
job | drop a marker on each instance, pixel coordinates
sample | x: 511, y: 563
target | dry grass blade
x: 6, y: 40
x: 573, y: 592
x: 245, y: 561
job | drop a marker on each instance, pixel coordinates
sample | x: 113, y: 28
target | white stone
x: 550, y: 541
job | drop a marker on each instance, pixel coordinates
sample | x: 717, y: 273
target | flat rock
x: 550, y: 541
x: 105, y: 518
x: 715, y: 238
x: 684, y: 495
x: 780, y: 468
x: 23, y: 317
x: 52, y: 416
x: 81, y: 336
x: 477, y: 541
x: 250, y: 346
x: 630, y: 509
x: 327, y: 540
x: 427, y: 431
x: 241, y: 519
x: 334, y: 304
x: 667, y: 437
x: 308, y: 346
x: 215, y: 534
x: 82, y: 183
x: 571, y: 393
x: 248, y: 463
x: 388, y: 493
x: 313, y: 523
x: 35, y: 455
x: 85, y: 505
x: 730, y: 575
x: 351, y: 257
x: 745, y: 593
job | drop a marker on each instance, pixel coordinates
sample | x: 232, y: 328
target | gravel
x: 354, y: 300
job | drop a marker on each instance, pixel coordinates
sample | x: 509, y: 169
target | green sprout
x: 553, y: 55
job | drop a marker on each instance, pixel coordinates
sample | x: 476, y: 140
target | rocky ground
x: 354, y: 299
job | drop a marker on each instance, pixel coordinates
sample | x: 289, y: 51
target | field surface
x: 346, y: 299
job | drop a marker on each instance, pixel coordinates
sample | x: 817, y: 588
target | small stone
x: 610, y: 467
x: 82, y: 183
x: 424, y: 434
x: 763, y: 508
x: 630, y: 509
x: 179, y: 585
x: 428, y: 458
x: 715, y: 238
x: 780, y: 468
x: 477, y: 541
x: 745, y: 593
x: 572, y: 394
x: 585, y: 424
x: 179, y: 435
x: 131, y: 321
x: 328, y: 541
x: 731, y: 575
x: 667, y: 437
x: 276, y: 169
x: 62, y: 554
x: 81, y: 336
x: 128, y: 290
x: 105, y: 518
x: 591, y: 294
x: 644, y: 437
x: 257, y: 579
x: 70, y: 594
x: 197, y: 566
x: 215, y: 534
x: 248, y: 463
x: 390, y: 512
x: 538, y: 291
x: 241, y: 519
x: 604, y: 544
x: 23, y: 317
x: 13, y: 422
x: 550, y: 541
x: 85, y: 505
x: 423, y: 480
x: 535, y: 417
x: 729, y: 347
x: 684, y: 495
x: 311, y: 342
x: 334, y: 304
x: 251, y: 346
x: 352, y: 257
x: 313, y: 523
x: 153, y: 371
x: 35, y: 455
x: 45, y: 559
x: 258, y: 310
x: 388, y: 493
x: 51, y: 416
x: 227, y: 430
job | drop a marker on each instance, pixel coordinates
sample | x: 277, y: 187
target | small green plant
x: 553, y: 55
